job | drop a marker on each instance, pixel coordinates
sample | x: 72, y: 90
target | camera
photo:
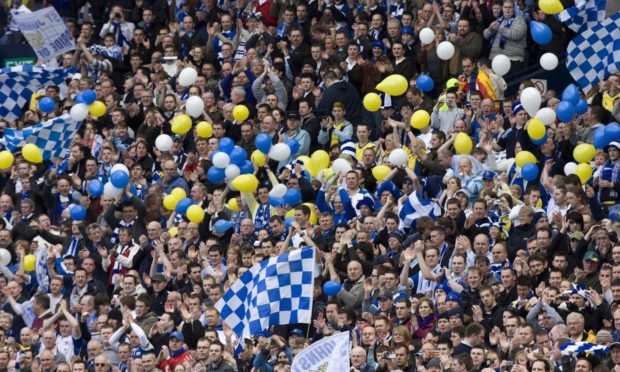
x: 388, y: 355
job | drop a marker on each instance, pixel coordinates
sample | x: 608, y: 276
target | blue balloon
x: 226, y: 145
x: 612, y: 131
x: 292, y: 197
x: 541, y: 33
x: 529, y: 171
x: 288, y: 222
x: 78, y: 213
x: 79, y: 98
x: 47, y: 104
x: 263, y: 143
x: 247, y: 167
x: 571, y: 94
x: 95, y: 187
x: 540, y: 141
x: 600, y: 138
x: 424, y: 83
x: 119, y: 179
x: 276, y: 201
x: 293, y: 145
x: 581, y: 107
x: 89, y: 96
x: 216, y: 175
x: 565, y: 111
x: 133, y: 190
x: 183, y: 205
x: 221, y: 226
x: 331, y: 288
x: 238, y: 155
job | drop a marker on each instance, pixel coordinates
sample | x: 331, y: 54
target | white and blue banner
x: 46, y: 33
x: 330, y: 354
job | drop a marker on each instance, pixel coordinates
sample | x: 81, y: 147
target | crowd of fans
x: 451, y: 262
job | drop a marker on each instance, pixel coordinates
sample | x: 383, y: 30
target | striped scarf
x: 121, y: 223
x: 263, y: 214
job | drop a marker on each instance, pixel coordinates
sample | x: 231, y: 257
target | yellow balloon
x: 32, y: 153
x: 170, y: 202
x: 6, y: 160
x: 550, y: 6
x: 30, y: 262
x: 232, y: 204
x: 420, y: 119
x: 372, y: 102
x: 452, y: 83
x: 241, y: 113
x: 314, y: 219
x: 195, y: 214
x: 328, y: 173
x: 304, y: 159
x: 463, y: 144
x: 584, y: 152
x: 97, y: 109
x: 204, y: 129
x: 181, y: 124
x: 245, y: 183
x: 525, y: 157
x: 173, y: 231
x: 290, y: 213
x: 178, y: 193
x: 394, y: 85
x: 584, y: 172
x: 258, y: 158
x: 320, y: 159
x: 536, y: 129
x: 380, y: 172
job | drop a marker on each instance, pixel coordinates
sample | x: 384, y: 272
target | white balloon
x: 278, y: 191
x: 119, y: 167
x: 221, y: 159
x: 427, y: 35
x: 232, y: 171
x: 500, y: 65
x: 163, y: 142
x: 445, y: 50
x: 398, y: 157
x: 188, y: 76
x: 549, y: 61
x: 531, y: 99
x: 546, y: 115
x: 194, y: 106
x: 111, y: 191
x: 5, y: 257
x: 79, y: 112
x: 570, y: 168
x: 341, y: 166
x: 279, y: 152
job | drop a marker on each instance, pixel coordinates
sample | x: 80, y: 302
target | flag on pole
x: 330, y: 354
x: 595, y: 53
x: 416, y: 206
x: 277, y: 291
x: 572, y: 347
x: 17, y: 84
x: 584, y: 14
x: 53, y: 137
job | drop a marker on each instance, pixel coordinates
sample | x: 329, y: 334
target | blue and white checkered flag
x: 277, y: 291
x: 572, y: 347
x: 53, y: 137
x: 584, y: 14
x: 595, y: 53
x: 17, y: 84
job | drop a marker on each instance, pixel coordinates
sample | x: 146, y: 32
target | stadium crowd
x: 450, y: 262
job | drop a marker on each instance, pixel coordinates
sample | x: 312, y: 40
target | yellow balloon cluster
x: 372, y: 102
x: 245, y: 183
x: 584, y: 152
x: 420, y: 119
x: 204, y: 129
x: 97, y: 109
x: 394, y: 85
x: 32, y: 153
x: 463, y: 144
x: 240, y: 113
x: 6, y: 160
x: 181, y: 124
x: 524, y: 157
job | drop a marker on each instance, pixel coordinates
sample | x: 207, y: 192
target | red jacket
x: 169, y: 364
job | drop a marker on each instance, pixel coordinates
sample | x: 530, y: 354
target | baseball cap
x: 159, y: 277
x: 297, y: 332
x: 406, y: 30
x: 516, y: 107
x: 591, y: 256
x: 292, y: 115
x: 488, y: 175
x: 615, y: 144
x: 385, y: 295
x: 435, y: 362
x: 453, y: 296
x: 396, y: 235
x: 177, y: 334
x: 614, y: 344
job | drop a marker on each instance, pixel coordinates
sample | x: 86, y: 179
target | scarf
x: 334, y: 137
x: 74, y: 246
x: 121, y: 223
x: 261, y: 221
x: 611, y: 173
x: 502, y: 38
